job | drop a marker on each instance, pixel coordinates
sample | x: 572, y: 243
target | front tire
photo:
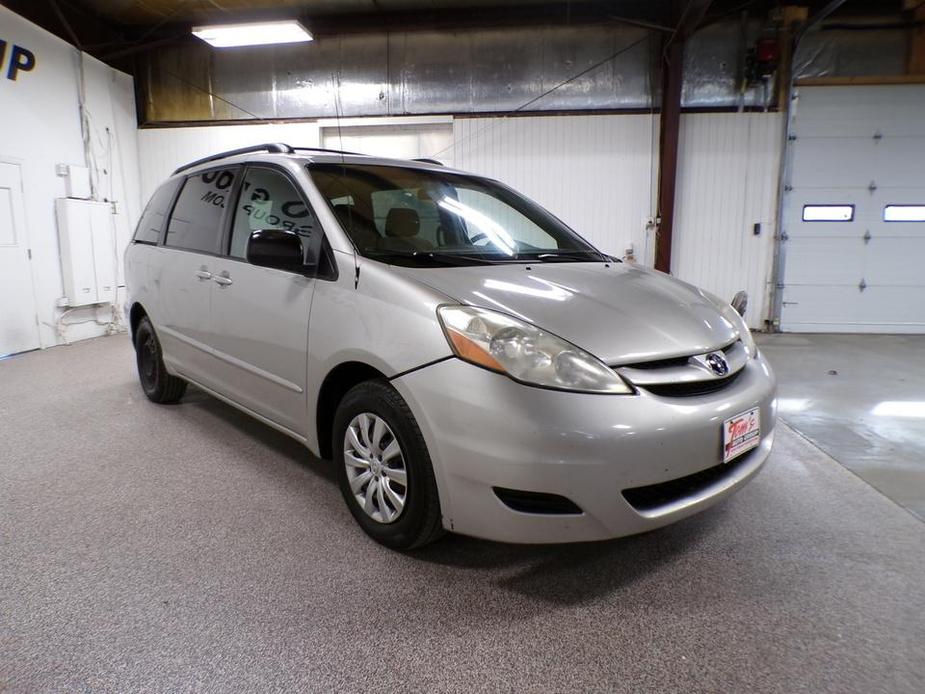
x: 384, y: 470
x: 158, y: 385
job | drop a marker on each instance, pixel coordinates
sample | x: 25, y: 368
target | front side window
x: 423, y: 217
x: 196, y: 222
x: 269, y: 200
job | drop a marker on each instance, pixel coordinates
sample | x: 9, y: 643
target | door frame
x: 20, y: 163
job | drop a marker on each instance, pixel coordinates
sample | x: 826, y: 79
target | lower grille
x: 690, y: 389
x: 536, y: 502
x: 654, y: 496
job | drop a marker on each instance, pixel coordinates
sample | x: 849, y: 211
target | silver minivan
x: 469, y: 362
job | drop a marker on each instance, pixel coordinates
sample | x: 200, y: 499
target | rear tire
x: 158, y: 385
x: 384, y: 469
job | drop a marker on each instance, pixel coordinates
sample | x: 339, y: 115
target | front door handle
x: 223, y: 280
x: 203, y: 274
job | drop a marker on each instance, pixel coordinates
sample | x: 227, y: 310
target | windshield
x: 431, y: 218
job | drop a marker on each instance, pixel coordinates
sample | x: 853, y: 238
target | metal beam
x: 915, y: 64
x: 65, y: 24
x: 670, y: 126
x: 816, y: 18
x: 688, y: 19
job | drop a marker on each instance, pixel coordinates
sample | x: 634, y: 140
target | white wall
x: 40, y: 127
x: 598, y: 173
x: 162, y: 150
x: 397, y: 138
x: 728, y: 166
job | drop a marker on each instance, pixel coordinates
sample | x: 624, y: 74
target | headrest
x: 343, y: 212
x: 402, y: 222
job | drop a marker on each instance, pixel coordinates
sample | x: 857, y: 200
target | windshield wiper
x: 568, y: 256
x: 433, y: 258
x: 463, y: 258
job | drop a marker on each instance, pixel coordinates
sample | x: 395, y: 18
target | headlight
x: 505, y: 344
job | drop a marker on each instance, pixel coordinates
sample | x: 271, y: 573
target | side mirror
x: 740, y: 302
x: 276, y: 248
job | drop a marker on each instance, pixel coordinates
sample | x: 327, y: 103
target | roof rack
x: 329, y: 151
x: 273, y: 147
x: 278, y: 148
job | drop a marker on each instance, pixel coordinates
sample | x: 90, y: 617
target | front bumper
x: 484, y: 430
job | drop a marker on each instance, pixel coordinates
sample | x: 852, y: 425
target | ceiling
x: 117, y: 30
x: 145, y: 12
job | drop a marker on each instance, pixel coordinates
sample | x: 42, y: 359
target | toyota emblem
x: 717, y: 364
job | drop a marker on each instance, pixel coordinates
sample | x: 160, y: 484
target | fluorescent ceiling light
x: 253, y: 33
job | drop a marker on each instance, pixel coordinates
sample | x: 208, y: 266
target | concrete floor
x: 861, y: 399
x: 187, y: 547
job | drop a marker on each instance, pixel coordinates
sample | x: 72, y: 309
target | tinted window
x: 196, y: 222
x: 269, y: 200
x: 152, y: 219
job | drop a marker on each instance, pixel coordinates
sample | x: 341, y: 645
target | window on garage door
x: 828, y: 213
x: 904, y: 213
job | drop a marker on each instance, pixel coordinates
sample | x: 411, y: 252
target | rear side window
x: 196, y: 222
x: 152, y: 219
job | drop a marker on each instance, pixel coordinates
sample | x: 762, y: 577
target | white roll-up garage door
x: 854, y: 211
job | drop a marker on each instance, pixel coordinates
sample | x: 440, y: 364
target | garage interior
x: 772, y: 147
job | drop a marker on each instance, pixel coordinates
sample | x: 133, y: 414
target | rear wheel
x: 384, y: 469
x: 158, y: 385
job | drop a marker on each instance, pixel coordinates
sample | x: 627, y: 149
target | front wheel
x: 158, y: 385
x: 384, y: 469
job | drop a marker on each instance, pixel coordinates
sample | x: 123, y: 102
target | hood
x: 622, y: 314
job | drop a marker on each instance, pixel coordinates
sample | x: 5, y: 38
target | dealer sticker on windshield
x: 741, y: 433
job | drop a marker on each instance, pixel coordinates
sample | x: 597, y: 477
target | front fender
x: 384, y: 320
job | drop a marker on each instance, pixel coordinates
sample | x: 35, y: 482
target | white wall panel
x: 162, y: 150
x: 595, y: 172
x: 113, y: 134
x: 728, y: 166
x: 395, y: 138
x: 40, y: 127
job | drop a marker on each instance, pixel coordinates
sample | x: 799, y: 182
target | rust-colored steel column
x: 670, y: 125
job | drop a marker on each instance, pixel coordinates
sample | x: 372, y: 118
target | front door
x: 260, y: 315
x: 19, y: 329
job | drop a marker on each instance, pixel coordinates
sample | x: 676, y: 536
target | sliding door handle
x: 203, y: 274
x: 222, y: 280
